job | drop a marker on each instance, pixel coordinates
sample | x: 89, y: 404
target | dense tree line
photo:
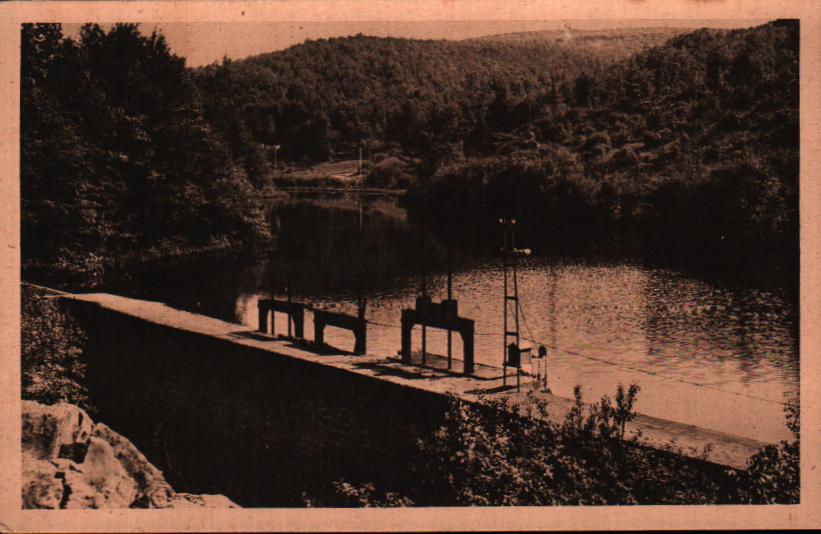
x: 326, y: 96
x: 694, y: 142
x: 692, y: 146
x: 118, y: 160
x: 126, y: 154
x: 686, y: 147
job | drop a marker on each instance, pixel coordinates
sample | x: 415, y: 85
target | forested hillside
x: 118, y: 162
x: 329, y: 95
x: 128, y: 155
x: 611, y: 45
x: 691, y: 146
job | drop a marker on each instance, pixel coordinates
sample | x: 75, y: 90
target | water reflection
x: 704, y: 353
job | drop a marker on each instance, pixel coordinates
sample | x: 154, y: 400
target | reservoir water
x: 705, y: 352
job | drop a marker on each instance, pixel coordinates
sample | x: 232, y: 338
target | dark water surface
x: 705, y: 352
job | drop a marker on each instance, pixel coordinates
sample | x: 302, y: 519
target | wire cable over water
x: 641, y: 370
x: 577, y: 354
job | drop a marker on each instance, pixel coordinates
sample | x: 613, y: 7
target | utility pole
x: 450, y: 298
x: 272, y: 266
x: 288, y: 295
x: 361, y: 301
x: 424, y: 280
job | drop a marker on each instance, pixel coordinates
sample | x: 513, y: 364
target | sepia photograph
x: 341, y: 263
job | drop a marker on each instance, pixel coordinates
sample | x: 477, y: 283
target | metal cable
x: 641, y: 370
x: 532, y: 339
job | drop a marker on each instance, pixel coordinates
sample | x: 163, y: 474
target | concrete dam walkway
x: 727, y: 450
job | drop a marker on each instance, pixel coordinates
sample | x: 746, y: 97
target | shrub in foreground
x: 495, y: 454
x: 51, y: 347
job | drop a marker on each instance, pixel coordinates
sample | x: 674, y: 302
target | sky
x: 202, y: 43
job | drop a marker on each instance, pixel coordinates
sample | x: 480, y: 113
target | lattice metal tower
x: 511, y: 300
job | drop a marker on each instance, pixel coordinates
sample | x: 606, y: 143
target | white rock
x: 69, y: 462
x: 41, y: 487
x: 49, y: 429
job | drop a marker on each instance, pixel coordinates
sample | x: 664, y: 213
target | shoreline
x: 45, y: 275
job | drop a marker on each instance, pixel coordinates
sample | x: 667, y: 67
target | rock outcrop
x: 71, y: 462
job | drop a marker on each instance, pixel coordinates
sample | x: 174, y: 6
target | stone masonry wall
x: 219, y: 417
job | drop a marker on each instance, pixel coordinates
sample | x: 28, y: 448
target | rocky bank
x: 69, y: 461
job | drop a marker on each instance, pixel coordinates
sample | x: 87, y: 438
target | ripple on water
x: 713, y: 356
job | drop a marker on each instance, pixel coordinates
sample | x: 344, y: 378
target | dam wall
x: 260, y: 427
x: 222, y: 409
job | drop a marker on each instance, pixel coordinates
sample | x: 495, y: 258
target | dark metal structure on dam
x: 426, y: 313
x: 442, y: 315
